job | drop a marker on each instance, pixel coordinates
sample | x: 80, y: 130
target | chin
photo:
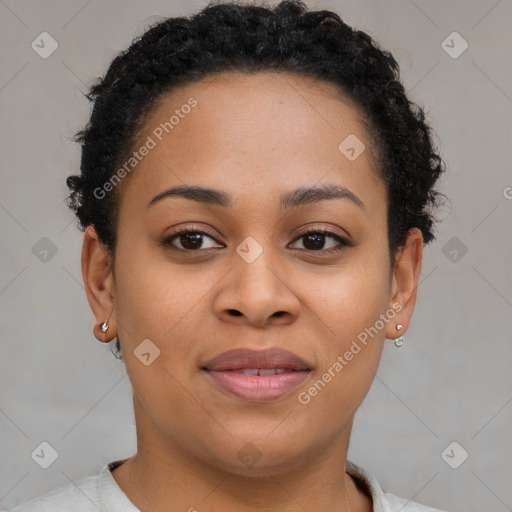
x: 260, y: 459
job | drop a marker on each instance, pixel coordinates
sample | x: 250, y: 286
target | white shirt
x: 102, y: 493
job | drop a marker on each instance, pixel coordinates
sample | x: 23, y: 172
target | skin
x: 254, y: 137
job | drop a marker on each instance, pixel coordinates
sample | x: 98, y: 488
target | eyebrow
x: 294, y: 199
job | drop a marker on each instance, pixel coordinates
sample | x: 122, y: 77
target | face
x: 260, y: 262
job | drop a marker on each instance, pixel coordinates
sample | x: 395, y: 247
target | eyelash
x: 167, y: 242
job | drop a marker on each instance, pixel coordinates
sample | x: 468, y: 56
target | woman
x: 256, y: 190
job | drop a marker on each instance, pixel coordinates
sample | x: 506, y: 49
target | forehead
x: 253, y: 128
x: 269, y: 95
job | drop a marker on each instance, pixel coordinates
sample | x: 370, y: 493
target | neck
x: 164, y: 477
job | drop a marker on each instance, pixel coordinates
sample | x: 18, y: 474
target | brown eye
x: 193, y: 240
x: 190, y: 240
x: 315, y: 240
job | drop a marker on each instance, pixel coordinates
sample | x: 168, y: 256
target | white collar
x: 113, y: 498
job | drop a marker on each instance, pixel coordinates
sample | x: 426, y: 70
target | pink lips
x: 257, y: 376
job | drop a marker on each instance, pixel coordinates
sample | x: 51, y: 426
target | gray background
x: 451, y: 381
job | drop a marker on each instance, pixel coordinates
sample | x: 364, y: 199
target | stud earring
x: 104, y: 326
x: 400, y: 340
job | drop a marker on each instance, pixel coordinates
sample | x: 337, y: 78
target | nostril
x: 235, y: 312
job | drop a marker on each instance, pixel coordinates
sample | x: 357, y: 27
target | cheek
x: 352, y: 308
x: 352, y: 298
x: 153, y: 296
x: 155, y: 302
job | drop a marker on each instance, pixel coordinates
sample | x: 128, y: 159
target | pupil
x: 318, y: 238
x: 195, y: 243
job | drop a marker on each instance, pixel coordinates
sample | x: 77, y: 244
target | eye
x: 189, y: 239
x: 192, y: 240
x: 314, y: 240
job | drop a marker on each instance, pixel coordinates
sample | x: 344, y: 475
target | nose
x: 257, y: 294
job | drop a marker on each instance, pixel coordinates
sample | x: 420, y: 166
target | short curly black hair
x: 240, y: 37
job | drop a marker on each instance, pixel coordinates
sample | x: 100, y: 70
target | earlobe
x: 404, y: 284
x: 99, y: 284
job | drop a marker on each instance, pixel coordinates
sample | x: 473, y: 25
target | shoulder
x: 395, y: 503
x: 383, y: 501
x: 78, y: 496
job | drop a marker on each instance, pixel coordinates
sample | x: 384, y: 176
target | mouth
x: 257, y: 376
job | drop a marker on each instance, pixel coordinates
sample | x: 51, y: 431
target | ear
x: 99, y: 284
x: 404, y: 282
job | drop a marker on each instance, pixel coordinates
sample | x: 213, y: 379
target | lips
x: 241, y: 359
x: 257, y: 376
